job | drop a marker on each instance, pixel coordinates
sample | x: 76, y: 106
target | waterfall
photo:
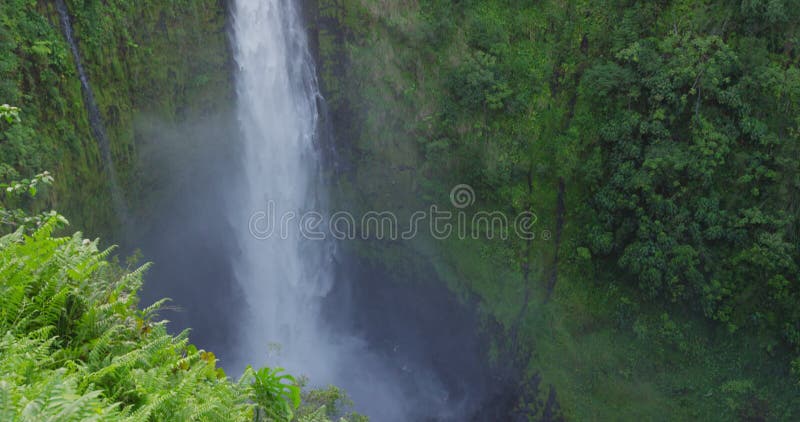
x: 95, y: 120
x: 283, y: 277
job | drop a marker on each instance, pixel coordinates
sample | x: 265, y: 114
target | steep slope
x: 153, y: 66
x: 650, y: 141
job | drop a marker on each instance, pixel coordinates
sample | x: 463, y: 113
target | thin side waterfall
x: 95, y: 121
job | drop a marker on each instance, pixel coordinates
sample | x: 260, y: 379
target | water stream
x: 95, y: 120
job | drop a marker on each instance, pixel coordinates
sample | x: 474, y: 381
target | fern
x: 74, y: 346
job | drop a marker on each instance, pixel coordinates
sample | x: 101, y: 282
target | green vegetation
x: 74, y: 342
x: 657, y: 143
x: 695, y: 183
x: 168, y: 59
x: 154, y: 65
x: 38, y: 76
x: 75, y: 345
x: 76, y: 348
x: 672, y: 126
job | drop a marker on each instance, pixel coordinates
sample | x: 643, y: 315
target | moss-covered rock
x: 157, y: 63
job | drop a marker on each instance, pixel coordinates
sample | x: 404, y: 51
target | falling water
x: 283, y: 277
x: 95, y: 121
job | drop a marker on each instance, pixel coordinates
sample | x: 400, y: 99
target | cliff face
x: 386, y: 80
x: 154, y: 66
x: 584, y: 114
x: 592, y: 116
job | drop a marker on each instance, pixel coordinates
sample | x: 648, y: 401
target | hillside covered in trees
x: 656, y: 141
x: 657, y: 144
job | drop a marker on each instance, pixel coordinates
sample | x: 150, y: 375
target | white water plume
x: 285, y: 279
x: 282, y: 278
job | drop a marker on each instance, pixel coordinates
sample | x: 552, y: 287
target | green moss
x: 161, y: 58
x: 158, y: 58
x: 54, y: 133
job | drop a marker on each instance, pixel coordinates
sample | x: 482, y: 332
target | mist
x: 402, y: 349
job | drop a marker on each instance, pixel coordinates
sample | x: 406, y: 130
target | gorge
x: 545, y: 211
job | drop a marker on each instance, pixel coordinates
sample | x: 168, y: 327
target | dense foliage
x: 696, y: 158
x: 38, y: 76
x: 660, y: 136
x: 75, y: 347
